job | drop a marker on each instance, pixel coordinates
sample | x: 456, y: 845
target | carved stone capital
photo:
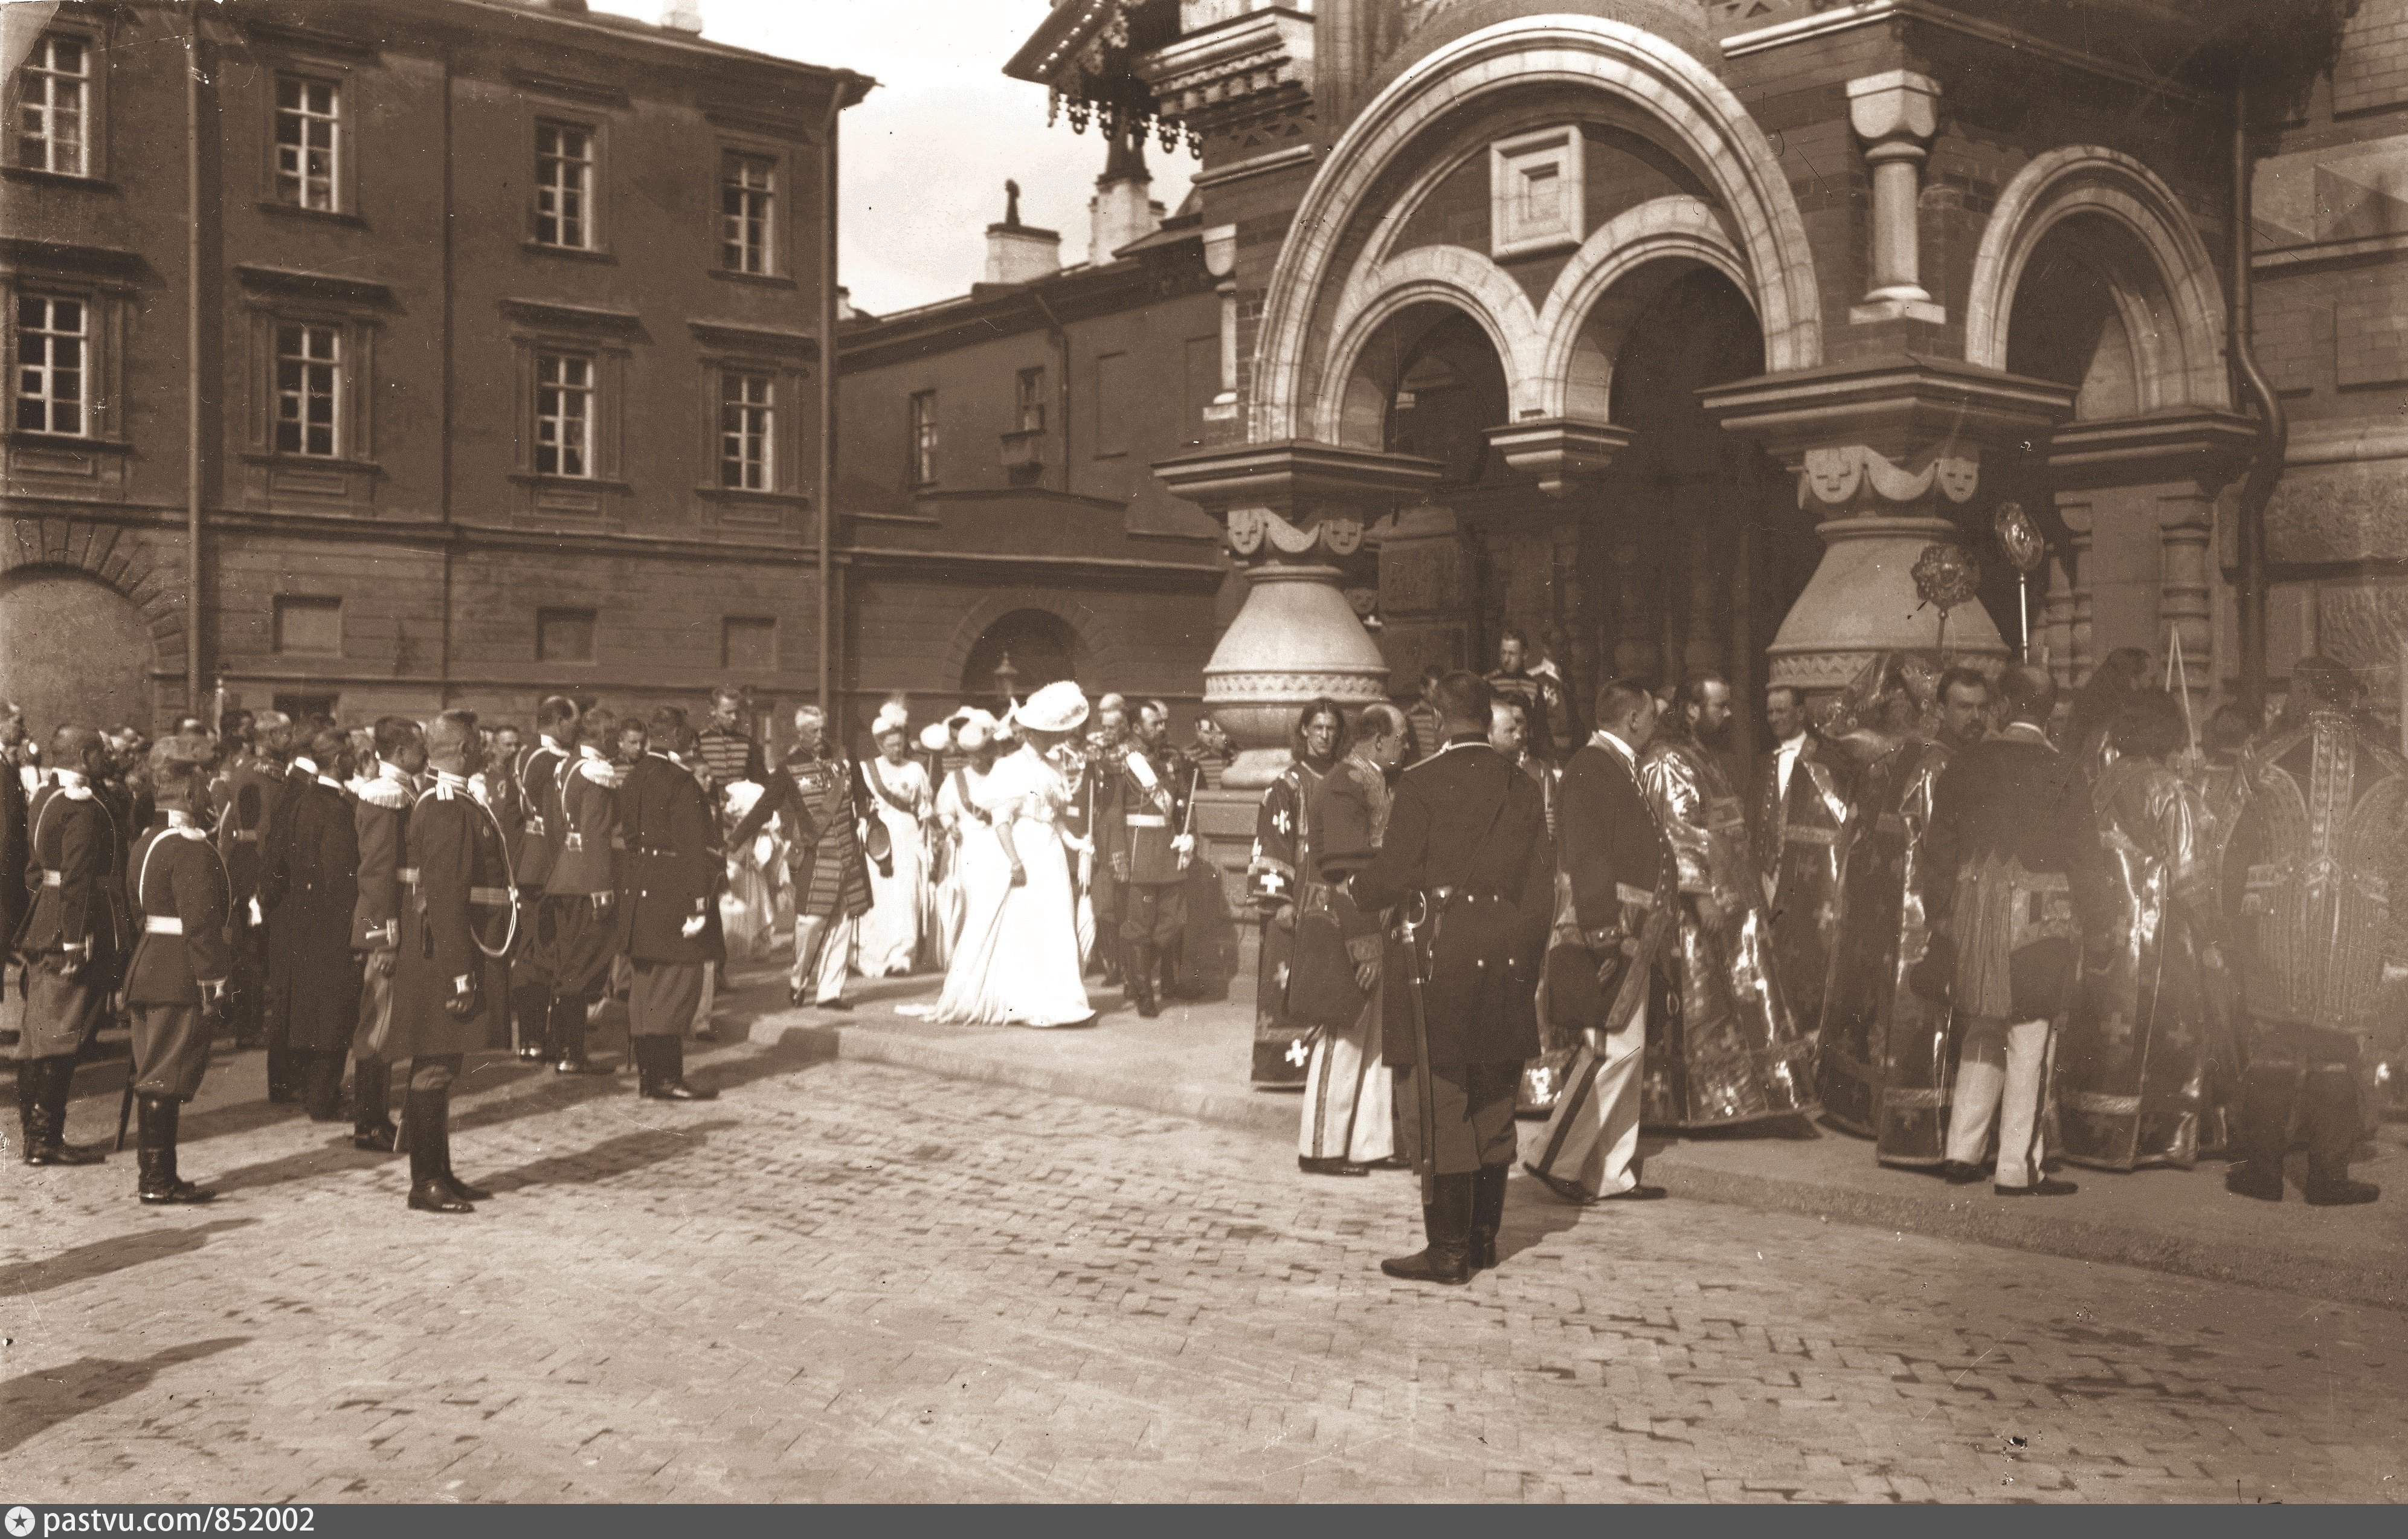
x: 1858, y: 478
x: 1561, y: 454
x: 1296, y: 500
x: 1911, y: 409
x: 1898, y: 110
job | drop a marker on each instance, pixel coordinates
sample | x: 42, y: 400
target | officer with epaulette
x: 73, y: 941
x: 1147, y: 844
x: 668, y: 904
x: 176, y: 986
x: 381, y: 813
x: 457, y: 915
x: 254, y: 785
x: 537, y: 774
x: 1468, y: 861
x: 578, y: 931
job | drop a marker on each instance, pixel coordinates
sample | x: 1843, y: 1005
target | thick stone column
x: 2057, y: 622
x: 1296, y: 512
x: 1896, y: 115
x: 1888, y: 451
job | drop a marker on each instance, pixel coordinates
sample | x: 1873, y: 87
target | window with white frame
x: 564, y: 186
x: 54, y: 106
x: 53, y: 346
x: 309, y: 120
x: 308, y: 390
x: 563, y: 414
x: 747, y: 192
x: 924, y: 438
x: 748, y: 407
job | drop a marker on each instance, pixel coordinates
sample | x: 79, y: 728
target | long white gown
x: 890, y: 931
x: 1016, y: 961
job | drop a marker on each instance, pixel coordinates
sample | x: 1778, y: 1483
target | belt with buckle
x: 1147, y: 820
x: 162, y: 923
x: 53, y: 878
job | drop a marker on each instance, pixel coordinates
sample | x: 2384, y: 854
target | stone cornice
x: 1876, y: 12
x: 2199, y: 445
x: 1248, y: 55
x: 1297, y: 475
x: 1903, y: 405
x: 1559, y: 452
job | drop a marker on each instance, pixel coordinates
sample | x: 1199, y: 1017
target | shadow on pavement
x: 1533, y: 1217
x: 610, y: 1158
x: 115, y: 1254
x: 34, y: 1402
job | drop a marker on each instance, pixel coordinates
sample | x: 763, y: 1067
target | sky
x: 924, y: 157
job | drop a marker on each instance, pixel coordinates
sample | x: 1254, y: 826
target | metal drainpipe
x: 2267, y: 468
x: 826, y: 490
x: 192, y: 360
x: 1061, y: 390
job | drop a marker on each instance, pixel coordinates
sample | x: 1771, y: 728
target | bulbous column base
x: 1295, y: 639
x: 1861, y: 601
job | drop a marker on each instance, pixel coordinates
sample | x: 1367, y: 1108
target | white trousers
x: 822, y: 955
x: 1592, y: 1139
x: 709, y: 995
x: 1349, y: 1094
x: 2001, y: 1072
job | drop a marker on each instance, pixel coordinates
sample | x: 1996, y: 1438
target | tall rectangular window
x: 307, y: 119
x: 50, y: 368
x: 1115, y: 399
x: 308, y: 388
x: 747, y: 414
x: 747, y: 191
x: 563, y: 414
x: 924, y: 438
x: 54, y: 106
x: 1029, y: 398
x: 564, y: 186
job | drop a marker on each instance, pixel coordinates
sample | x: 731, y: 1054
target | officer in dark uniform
x: 253, y: 784
x: 381, y: 818
x: 576, y: 933
x: 1468, y: 858
x: 308, y: 887
x: 668, y: 904
x: 73, y: 941
x: 1146, y: 846
x: 455, y: 918
x: 537, y: 774
x: 176, y: 986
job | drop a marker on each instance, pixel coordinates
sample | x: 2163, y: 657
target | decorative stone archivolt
x: 1696, y: 115
x: 2174, y: 313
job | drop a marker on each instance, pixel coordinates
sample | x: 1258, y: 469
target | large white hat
x: 1059, y: 707
x: 977, y: 727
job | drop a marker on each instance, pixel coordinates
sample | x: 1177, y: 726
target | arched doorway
x: 1019, y: 653
x: 73, y: 650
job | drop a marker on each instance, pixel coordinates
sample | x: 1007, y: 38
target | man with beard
x: 1146, y: 846
x: 1800, y: 817
x: 817, y: 798
x: 1729, y: 1052
x: 1616, y: 870
x: 1277, y: 877
x: 1106, y: 742
x: 74, y: 942
x: 1548, y: 719
x: 308, y: 885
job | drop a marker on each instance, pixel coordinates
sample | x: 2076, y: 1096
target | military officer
x: 73, y: 941
x: 456, y: 918
x: 176, y: 985
x: 1147, y: 846
x: 537, y: 774
x: 668, y: 904
x: 254, y: 784
x: 380, y: 819
x: 819, y: 799
x: 578, y: 933
x: 1106, y: 742
x: 1549, y: 717
x: 726, y: 748
x: 308, y: 889
x: 1467, y: 851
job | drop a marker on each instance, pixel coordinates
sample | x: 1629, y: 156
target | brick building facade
x: 509, y: 367
x: 1675, y: 331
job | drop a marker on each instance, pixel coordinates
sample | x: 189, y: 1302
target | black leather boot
x: 568, y: 1039
x: 54, y: 1086
x: 531, y: 1007
x: 1167, y: 959
x: 439, y: 1126
x: 160, y: 1186
x: 429, y: 1192
x: 1136, y: 979
x: 29, y: 1107
x: 372, y: 1129
x: 661, y: 1062
x: 281, y: 1091
x: 323, y: 1081
x: 1488, y: 1214
x: 1447, y: 1222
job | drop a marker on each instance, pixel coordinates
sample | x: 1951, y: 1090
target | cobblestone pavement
x: 850, y: 1281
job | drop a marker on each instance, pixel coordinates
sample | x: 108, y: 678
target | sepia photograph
x: 1179, y: 752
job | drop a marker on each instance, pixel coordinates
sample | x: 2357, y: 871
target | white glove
x: 1185, y: 844
x: 258, y: 916
x: 692, y: 927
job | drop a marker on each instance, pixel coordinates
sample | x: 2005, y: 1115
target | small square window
x: 308, y: 625
x: 1535, y: 192
x: 747, y: 644
x: 563, y: 636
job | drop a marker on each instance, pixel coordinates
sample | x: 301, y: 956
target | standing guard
x: 668, y: 908
x: 2018, y: 884
x: 381, y: 815
x: 1349, y: 1122
x: 537, y: 774
x: 176, y: 985
x: 2316, y: 853
x: 308, y: 890
x: 253, y: 784
x: 1614, y: 882
x: 456, y: 917
x: 73, y: 941
x: 1467, y: 854
x: 1277, y: 875
x: 1147, y: 846
x: 1801, y: 815
x: 577, y: 932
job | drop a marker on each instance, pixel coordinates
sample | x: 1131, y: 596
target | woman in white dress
x: 902, y: 800
x: 1016, y: 961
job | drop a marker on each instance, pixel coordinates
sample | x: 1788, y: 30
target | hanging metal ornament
x: 1166, y: 133
x: 1195, y: 143
x: 1079, y: 112
x: 1052, y: 104
x: 1945, y: 576
x: 2019, y: 538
